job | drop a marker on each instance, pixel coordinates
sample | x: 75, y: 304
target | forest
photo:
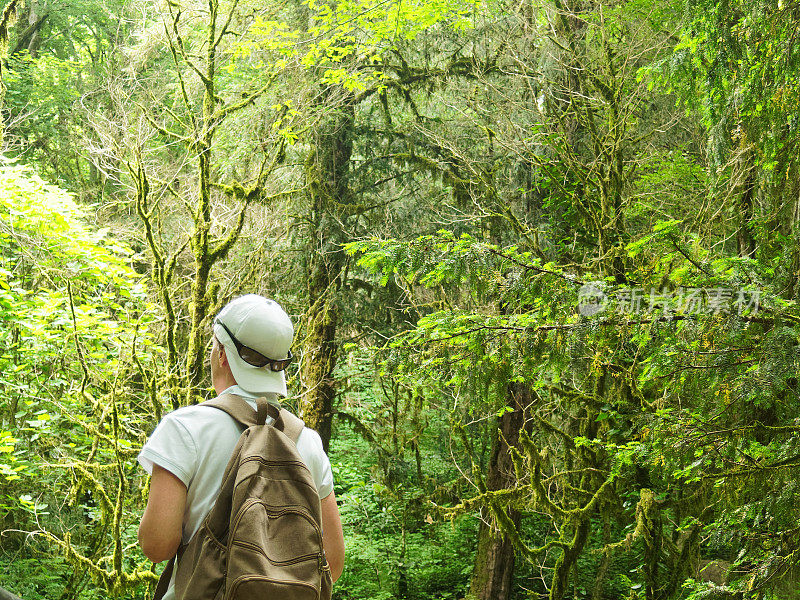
x: 542, y: 259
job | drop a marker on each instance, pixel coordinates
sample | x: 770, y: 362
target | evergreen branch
x: 583, y: 471
x: 408, y: 76
x: 586, y: 511
x: 701, y: 367
x: 643, y: 507
x: 686, y: 255
x: 746, y: 472
x: 542, y: 498
x: 530, y: 267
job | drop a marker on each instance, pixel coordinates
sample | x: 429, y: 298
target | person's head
x: 251, y: 346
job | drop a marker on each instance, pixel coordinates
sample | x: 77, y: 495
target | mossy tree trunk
x: 745, y: 241
x: 568, y: 558
x: 493, y: 570
x: 7, y: 18
x: 327, y: 168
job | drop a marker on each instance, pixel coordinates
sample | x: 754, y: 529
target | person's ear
x: 223, y: 359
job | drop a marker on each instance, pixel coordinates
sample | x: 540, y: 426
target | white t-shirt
x: 194, y: 443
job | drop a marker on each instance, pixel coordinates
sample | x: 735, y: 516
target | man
x: 190, y: 448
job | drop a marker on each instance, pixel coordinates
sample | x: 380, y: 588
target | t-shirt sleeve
x: 309, y: 444
x: 172, y: 448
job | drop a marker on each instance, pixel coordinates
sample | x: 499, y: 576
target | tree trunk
x: 34, y: 22
x: 793, y: 290
x: 494, y: 563
x: 200, y: 243
x: 320, y: 354
x: 605, y: 561
x: 567, y: 560
x: 6, y: 595
x: 493, y: 572
x: 326, y: 174
x: 745, y: 242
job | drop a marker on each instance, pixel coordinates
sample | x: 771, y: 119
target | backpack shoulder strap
x: 241, y: 411
x: 163, y: 581
x: 166, y: 574
x: 292, y: 425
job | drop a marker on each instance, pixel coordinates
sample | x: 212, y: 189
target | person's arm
x: 162, y: 521
x: 332, y: 535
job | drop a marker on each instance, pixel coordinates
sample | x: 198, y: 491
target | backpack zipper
x: 274, y: 513
x: 322, y: 562
x: 283, y: 563
x: 245, y: 578
x: 276, y: 463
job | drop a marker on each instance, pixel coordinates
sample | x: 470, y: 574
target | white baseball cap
x: 254, y: 323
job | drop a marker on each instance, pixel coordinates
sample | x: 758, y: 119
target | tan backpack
x: 263, y: 537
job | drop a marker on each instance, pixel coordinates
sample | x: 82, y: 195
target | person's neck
x: 223, y: 383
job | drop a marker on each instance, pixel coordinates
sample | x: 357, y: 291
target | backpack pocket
x: 199, y: 574
x: 270, y: 551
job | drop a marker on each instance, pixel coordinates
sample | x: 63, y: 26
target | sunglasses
x: 254, y: 357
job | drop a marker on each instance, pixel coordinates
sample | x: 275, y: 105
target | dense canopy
x: 542, y: 259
